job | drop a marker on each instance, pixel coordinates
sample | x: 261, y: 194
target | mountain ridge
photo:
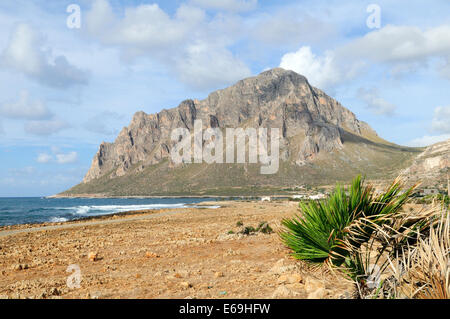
x: 319, y: 137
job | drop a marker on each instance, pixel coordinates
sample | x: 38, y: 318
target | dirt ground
x: 176, y: 253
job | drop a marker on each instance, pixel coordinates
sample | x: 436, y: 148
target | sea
x: 32, y: 210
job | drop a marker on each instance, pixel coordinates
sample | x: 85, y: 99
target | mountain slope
x: 320, y: 142
x: 431, y: 167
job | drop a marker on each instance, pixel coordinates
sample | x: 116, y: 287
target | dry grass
x: 424, y: 272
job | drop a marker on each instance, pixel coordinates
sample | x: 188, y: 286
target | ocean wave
x: 109, y: 209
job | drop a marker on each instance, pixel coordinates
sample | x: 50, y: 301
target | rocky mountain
x: 320, y: 142
x: 431, y: 167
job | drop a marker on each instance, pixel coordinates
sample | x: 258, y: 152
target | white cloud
x: 199, y: 56
x: 229, y: 5
x: 25, y: 53
x: 319, y: 70
x: 402, y: 43
x: 441, y: 120
x: 203, y: 65
x: 428, y: 140
x: 289, y: 27
x: 43, y: 158
x: 45, y: 128
x: 375, y: 103
x: 68, y: 158
x: 25, y: 108
x: 404, y: 49
x: 57, y: 156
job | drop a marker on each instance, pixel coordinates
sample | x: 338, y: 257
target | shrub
x: 318, y: 234
x: 248, y: 230
x: 264, y: 228
x: 386, y: 252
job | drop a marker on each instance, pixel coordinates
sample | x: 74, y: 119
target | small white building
x: 298, y: 196
x: 266, y: 199
x: 318, y: 196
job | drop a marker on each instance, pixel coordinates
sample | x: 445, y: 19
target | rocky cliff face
x: 431, y: 167
x: 310, y: 121
x: 321, y: 142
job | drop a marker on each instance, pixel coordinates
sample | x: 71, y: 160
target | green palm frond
x: 318, y: 234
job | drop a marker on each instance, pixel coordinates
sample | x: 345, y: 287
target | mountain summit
x: 320, y: 142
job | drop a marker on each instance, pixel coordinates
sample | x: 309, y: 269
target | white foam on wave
x: 110, y: 209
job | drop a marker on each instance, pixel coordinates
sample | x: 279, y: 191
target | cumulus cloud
x: 402, y: 43
x: 374, y: 102
x: 428, y: 140
x: 319, y: 70
x: 290, y: 27
x: 203, y: 65
x: 401, y: 49
x: 229, y: 5
x: 57, y: 156
x: 25, y: 108
x: 44, y: 158
x: 46, y: 127
x: 441, y: 120
x: 68, y: 158
x: 25, y: 53
x: 195, y: 42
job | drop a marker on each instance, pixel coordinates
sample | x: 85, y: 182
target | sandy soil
x: 182, y: 253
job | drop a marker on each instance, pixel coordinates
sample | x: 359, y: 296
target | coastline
x: 173, y: 253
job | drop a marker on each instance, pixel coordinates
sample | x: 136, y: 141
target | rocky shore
x: 227, y: 252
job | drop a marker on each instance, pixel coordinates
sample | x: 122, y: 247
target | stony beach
x: 170, y: 253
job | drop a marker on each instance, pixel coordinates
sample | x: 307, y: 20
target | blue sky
x: 65, y: 90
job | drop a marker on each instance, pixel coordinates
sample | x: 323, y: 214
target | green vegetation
x: 363, y: 234
x: 263, y: 227
x: 161, y: 179
x: 319, y: 233
x: 248, y: 230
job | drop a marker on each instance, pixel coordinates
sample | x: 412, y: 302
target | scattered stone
x: 150, y: 254
x: 283, y: 292
x: 290, y: 279
x: 55, y: 292
x: 185, y: 285
x: 177, y: 275
x: 93, y: 256
x: 20, y: 267
x: 280, y: 267
x: 219, y: 274
x: 312, y: 285
x: 318, y: 294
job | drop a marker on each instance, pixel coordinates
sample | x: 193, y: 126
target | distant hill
x: 321, y: 142
x: 431, y: 167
